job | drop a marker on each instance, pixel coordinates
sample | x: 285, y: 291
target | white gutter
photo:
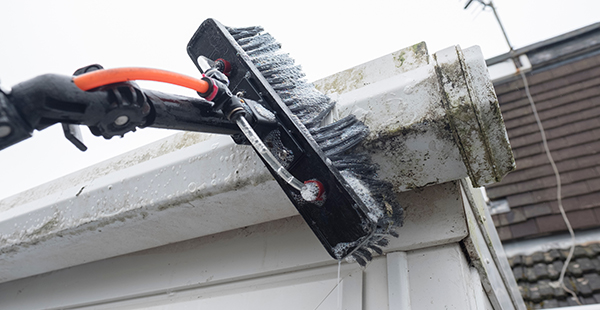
x: 192, y: 185
x: 507, y: 69
x: 583, y: 307
x: 543, y: 244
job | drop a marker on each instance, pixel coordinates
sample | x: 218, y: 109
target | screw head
x: 5, y: 130
x: 121, y: 120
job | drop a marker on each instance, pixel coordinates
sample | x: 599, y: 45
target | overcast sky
x: 325, y: 37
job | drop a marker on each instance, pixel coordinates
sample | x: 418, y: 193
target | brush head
x: 356, y: 212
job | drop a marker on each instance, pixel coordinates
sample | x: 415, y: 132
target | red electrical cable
x: 103, y: 77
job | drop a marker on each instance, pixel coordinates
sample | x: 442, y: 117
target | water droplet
x: 192, y: 187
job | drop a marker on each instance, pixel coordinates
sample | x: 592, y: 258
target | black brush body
x: 358, y: 212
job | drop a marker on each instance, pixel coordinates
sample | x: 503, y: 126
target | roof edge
x: 556, y: 241
x: 543, y: 44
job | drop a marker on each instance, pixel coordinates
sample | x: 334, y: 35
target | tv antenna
x: 490, y: 4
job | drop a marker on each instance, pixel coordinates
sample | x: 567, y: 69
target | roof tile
x: 580, y: 251
x: 586, y: 265
x: 582, y: 219
x: 583, y: 287
x: 575, y: 269
x: 560, y: 293
x: 534, y: 294
x: 522, y: 174
x: 551, y: 255
x: 589, y: 200
x: 558, y: 264
x: 520, y: 199
x: 524, y: 229
x: 496, y: 220
x: 555, y: 122
x: 502, y: 219
x: 571, y: 302
x: 550, y: 303
x: 519, y: 273
x: 504, y: 233
x: 515, y: 216
x: 596, y: 263
x: 589, y: 252
x: 541, y: 271
x: 595, y: 247
x: 553, y: 273
x: 570, y: 283
x: 594, y: 282
x: 546, y: 291
x: 537, y: 257
x: 516, y: 260
x: 593, y: 184
x: 563, y: 303
x: 588, y: 300
x: 527, y: 260
x: 550, y: 223
x: 530, y: 274
x: 524, y: 289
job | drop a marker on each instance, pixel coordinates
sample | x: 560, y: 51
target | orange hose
x: 103, y: 77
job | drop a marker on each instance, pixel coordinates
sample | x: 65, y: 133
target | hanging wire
x: 560, y: 282
x: 336, y: 286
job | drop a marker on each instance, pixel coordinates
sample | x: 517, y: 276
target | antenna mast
x: 490, y: 4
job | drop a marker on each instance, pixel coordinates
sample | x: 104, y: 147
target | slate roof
x: 535, y: 272
x: 565, y: 84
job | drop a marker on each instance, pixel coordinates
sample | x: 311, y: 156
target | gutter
x: 432, y: 120
x: 583, y: 307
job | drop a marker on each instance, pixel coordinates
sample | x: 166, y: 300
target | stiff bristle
x: 337, y: 140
